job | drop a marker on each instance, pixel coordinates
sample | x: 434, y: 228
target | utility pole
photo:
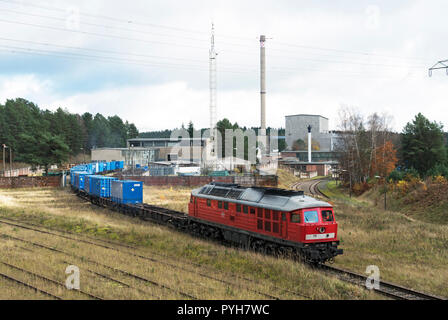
x: 4, y: 160
x: 263, y: 83
x: 213, y: 87
x: 10, y: 160
x: 443, y: 64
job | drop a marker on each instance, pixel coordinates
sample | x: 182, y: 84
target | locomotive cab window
x: 209, y: 203
x: 220, y: 204
x: 311, y: 217
x: 252, y: 210
x: 238, y: 208
x: 245, y: 209
x: 226, y: 205
x: 327, y: 216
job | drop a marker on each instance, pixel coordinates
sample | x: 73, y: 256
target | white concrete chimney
x: 310, y: 159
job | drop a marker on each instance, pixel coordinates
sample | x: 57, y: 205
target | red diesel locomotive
x: 267, y: 219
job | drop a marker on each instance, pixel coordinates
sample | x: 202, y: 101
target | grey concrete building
x: 297, y: 132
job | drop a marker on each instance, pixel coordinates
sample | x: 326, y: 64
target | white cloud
x: 298, y: 85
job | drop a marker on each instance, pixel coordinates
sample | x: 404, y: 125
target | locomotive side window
x: 327, y: 216
x: 191, y: 199
x: 252, y: 210
x: 275, y: 215
x: 209, y: 203
x: 220, y: 204
x: 245, y: 209
x: 260, y: 213
x: 226, y: 205
x: 238, y: 208
x: 267, y: 214
x: 311, y: 217
x: 283, y: 216
x: 295, y: 218
x: 267, y: 226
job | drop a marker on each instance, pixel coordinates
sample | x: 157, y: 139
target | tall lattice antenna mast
x: 213, y: 85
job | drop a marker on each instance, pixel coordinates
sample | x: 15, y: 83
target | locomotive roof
x: 270, y: 198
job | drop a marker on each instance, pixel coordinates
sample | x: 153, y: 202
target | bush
x: 396, y: 175
x: 360, y: 188
x: 439, y: 169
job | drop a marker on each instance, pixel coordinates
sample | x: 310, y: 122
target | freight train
x: 269, y: 220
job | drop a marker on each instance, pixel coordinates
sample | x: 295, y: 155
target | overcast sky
x: 147, y: 61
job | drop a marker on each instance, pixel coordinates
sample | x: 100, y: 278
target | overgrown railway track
x: 112, y: 246
x: 166, y: 217
x: 387, y: 289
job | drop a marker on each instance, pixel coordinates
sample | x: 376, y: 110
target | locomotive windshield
x: 311, y: 217
x: 327, y: 216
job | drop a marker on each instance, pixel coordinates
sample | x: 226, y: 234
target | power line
x: 443, y: 64
x: 173, y: 44
x: 104, y: 26
x: 28, y: 51
x: 99, y: 34
x: 348, y: 51
x: 128, y: 21
x: 14, y: 49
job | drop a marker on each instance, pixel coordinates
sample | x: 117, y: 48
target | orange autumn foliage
x: 385, y: 159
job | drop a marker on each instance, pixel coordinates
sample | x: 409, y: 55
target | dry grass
x: 243, y: 275
x: 407, y: 251
x: 286, y: 179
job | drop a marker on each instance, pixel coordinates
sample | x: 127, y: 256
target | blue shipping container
x: 80, y: 179
x: 100, y: 186
x: 88, y: 182
x: 127, y: 192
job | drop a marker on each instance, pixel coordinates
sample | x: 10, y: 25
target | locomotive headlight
x: 322, y: 230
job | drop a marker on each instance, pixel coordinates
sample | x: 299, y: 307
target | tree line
x: 368, y: 149
x: 221, y: 126
x: 43, y: 137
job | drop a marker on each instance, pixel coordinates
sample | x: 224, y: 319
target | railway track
x: 82, y: 258
x: 106, y: 246
x: 387, y: 289
x: 27, y: 285
x: 48, y: 280
x: 311, y: 187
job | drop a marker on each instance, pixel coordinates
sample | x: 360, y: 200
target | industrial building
x: 144, y: 151
x: 323, y: 140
